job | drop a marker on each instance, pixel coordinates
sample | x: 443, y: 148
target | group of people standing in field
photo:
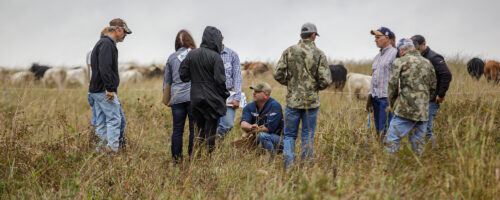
x: 204, y: 85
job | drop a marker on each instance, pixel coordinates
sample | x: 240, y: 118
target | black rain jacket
x: 205, y: 69
x: 104, y: 64
x: 443, y: 74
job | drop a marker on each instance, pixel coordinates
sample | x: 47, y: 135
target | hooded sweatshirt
x: 205, y: 69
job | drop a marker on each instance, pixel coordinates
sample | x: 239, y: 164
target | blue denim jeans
x: 226, y: 122
x: 382, y: 119
x: 91, y: 103
x: 179, y: 113
x: 433, y: 109
x: 399, y: 128
x: 292, y: 121
x: 269, y: 141
x: 110, y: 120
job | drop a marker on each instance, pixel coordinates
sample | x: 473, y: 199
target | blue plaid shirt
x: 381, y: 71
x: 233, y: 71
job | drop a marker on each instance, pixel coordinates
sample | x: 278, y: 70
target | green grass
x: 47, y: 152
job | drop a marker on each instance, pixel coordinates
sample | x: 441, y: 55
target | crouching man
x: 263, y: 119
x: 412, y: 85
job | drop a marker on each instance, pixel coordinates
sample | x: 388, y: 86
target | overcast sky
x: 61, y: 32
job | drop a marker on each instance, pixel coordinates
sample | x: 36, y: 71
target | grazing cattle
x: 339, y: 76
x: 54, y: 77
x: 22, y: 77
x: 256, y: 68
x: 492, y: 71
x: 76, y: 76
x: 358, y: 84
x: 130, y: 76
x: 38, y: 70
x: 475, y: 67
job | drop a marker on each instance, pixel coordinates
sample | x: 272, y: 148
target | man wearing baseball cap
x: 263, y: 119
x: 303, y: 68
x: 443, y: 76
x: 381, y: 71
x: 104, y: 85
x: 412, y: 84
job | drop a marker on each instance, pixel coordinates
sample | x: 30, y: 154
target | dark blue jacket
x: 104, y: 64
x: 270, y: 116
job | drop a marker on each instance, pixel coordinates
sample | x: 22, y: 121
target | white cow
x: 76, y: 77
x: 22, y: 77
x: 358, y: 84
x: 54, y: 77
x: 130, y: 76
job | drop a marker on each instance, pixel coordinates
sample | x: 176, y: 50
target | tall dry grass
x: 47, y: 151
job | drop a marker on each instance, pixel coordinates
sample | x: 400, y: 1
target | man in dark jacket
x: 443, y: 76
x: 205, y: 69
x: 104, y: 84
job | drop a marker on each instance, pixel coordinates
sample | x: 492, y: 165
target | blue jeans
x: 292, y: 120
x: 382, y: 119
x: 226, y: 122
x: 269, y: 141
x: 91, y: 103
x: 433, y: 109
x: 399, y: 128
x: 179, y: 113
x: 110, y: 120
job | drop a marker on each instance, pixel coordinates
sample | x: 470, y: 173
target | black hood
x: 212, y: 39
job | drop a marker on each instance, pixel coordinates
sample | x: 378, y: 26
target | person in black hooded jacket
x: 205, y: 69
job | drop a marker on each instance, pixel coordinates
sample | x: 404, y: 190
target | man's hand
x: 439, y: 99
x: 388, y: 109
x: 236, y: 104
x: 110, y: 95
x: 369, y: 106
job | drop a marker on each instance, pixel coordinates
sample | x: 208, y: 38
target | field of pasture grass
x: 47, y: 150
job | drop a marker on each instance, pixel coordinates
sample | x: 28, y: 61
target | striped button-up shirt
x: 381, y: 71
x: 233, y: 71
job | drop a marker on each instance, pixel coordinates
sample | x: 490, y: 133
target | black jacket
x: 443, y: 74
x: 104, y: 65
x: 205, y: 69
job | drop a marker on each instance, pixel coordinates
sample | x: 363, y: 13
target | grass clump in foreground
x: 47, y: 151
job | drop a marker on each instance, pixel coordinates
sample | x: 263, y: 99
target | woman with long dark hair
x: 176, y: 94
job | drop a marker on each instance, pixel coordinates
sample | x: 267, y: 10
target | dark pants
x: 206, y: 128
x: 179, y: 113
x: 382, y: 118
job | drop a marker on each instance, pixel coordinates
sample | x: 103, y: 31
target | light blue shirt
x: 179, y: 91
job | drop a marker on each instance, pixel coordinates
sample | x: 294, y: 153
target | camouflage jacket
x: 304, y: 70
x: 412, y: 84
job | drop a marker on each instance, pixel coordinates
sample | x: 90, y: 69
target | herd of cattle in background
x: 358, y: 84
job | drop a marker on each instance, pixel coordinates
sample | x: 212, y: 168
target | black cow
x: 339, y: 76
x: 475, y: 67
x: 38, y: 70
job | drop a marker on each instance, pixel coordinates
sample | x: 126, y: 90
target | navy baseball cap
x: 383, y: 31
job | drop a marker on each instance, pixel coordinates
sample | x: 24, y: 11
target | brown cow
x: 492, y: 71
x: 255, y: 68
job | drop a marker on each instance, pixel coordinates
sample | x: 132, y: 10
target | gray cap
x: 309, y: 28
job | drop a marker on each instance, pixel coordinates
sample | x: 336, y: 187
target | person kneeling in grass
x: 262, y: 120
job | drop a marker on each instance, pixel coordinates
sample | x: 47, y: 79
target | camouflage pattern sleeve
x: 324, y: 74
x: 280, y: 74
x: 393, y: 87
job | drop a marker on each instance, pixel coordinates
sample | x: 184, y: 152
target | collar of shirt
x: 112, y: 39
x: 383, y: 51
x: 224, y: 50
x: 307, y: 42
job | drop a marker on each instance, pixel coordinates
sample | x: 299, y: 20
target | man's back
x: 417, y: 83
x: 303, y: 68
